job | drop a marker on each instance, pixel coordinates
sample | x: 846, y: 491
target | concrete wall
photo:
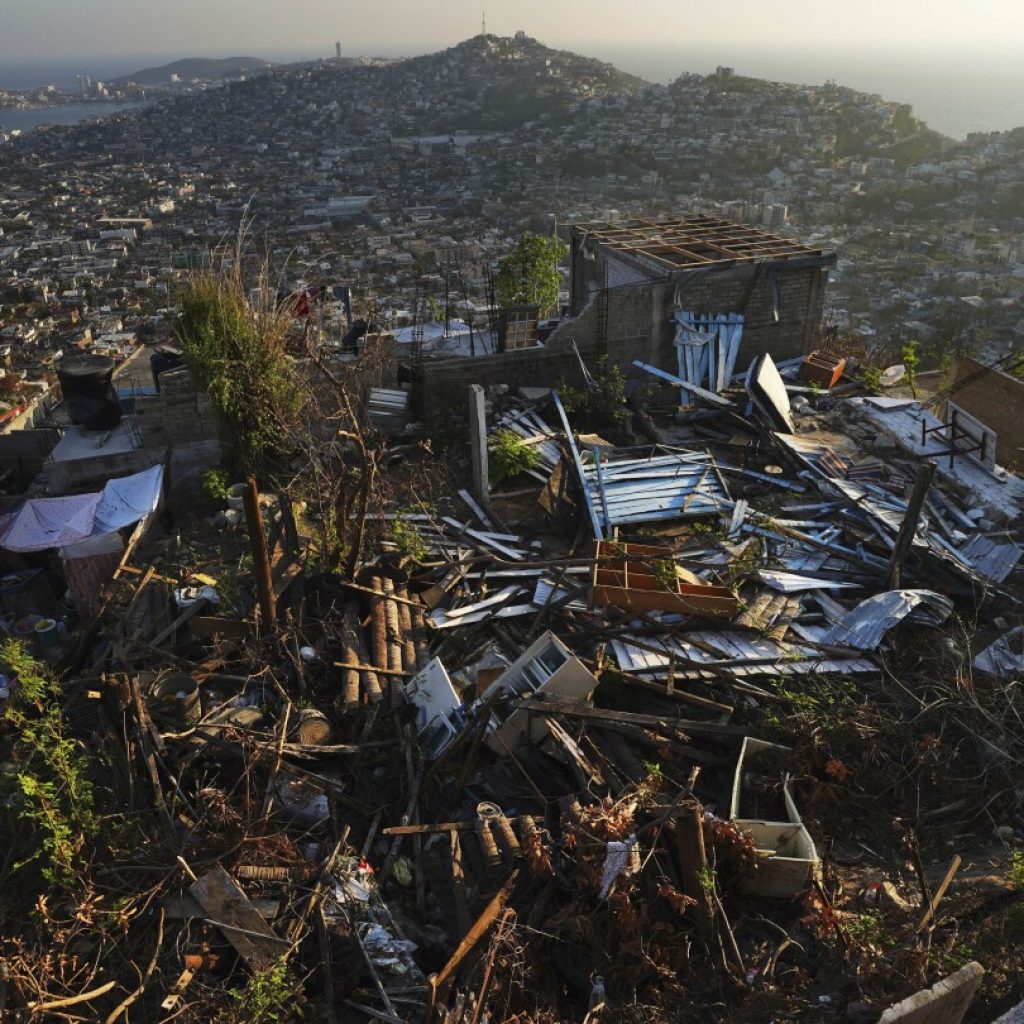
x: 24, y: 451
x: 70, y: 476
x: 638, y: 314
x: 995, y: 399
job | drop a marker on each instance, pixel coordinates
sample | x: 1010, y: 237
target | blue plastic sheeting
x: 707, y: 347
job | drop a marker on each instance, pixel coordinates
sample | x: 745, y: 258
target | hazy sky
x: 51, y: 29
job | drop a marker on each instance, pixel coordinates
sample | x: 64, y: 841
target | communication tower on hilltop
x: 483, y: 23
x: 337, y: 50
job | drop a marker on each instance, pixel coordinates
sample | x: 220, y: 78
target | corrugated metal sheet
x: 735, y: 653
x: 654, y: 488
x: 864, y: 627
x: 1005, y: 657
x: 993, y: 559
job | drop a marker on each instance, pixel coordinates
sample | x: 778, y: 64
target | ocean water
x: 68, y: 113
x: 955, y: 93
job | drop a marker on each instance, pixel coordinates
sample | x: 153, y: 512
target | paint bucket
x: 48, y: 632
x: 174, y: 700
x: 236, y: 496
x: 312, y: 728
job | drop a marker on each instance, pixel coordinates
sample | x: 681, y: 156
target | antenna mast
x: 483, y: 23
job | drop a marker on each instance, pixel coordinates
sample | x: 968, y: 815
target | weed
x: 267, y: 997
x: 866, y: 929
x: 409, y: 540
x: 509, y: 455
x: 600, y: 405
x: 664, y: 571
x: 706, y: 879
x: 53, y: 800
x: 213, y: 491
x: 872, y: 378
x: 1015, y: 870
x: 911, y: 358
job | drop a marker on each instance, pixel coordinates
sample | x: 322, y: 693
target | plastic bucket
x: 48, y: 632
x: 236, y: 496
x: 175, y: 700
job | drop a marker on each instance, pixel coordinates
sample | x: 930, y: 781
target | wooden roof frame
x: 697, y: 242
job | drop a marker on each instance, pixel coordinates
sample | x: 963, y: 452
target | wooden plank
x: 178, y: 908
x: 207, y: 626
x: 227, y: 907
x: 480, y: 927
x: 939, y: 893
x: 552, y: 707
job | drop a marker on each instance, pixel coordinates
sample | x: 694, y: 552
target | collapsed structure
x: 603, y: 740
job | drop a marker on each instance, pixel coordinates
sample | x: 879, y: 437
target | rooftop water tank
x: 87, y: 385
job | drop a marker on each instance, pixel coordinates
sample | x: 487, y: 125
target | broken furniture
x: 787, y: 859
x: 644, y: 578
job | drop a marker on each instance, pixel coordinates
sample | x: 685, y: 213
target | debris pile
x: 648, y: 732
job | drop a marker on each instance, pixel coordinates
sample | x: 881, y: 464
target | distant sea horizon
x: 954, y: 93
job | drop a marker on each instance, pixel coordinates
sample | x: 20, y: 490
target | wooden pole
x: 260, y: 555
x: 925, y: 473
x: 693, y: 865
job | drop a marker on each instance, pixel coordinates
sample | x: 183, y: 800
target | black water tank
x: 161, y: 360
x: 87, y: 384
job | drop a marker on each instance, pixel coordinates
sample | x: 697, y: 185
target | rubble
x: 527, y: 764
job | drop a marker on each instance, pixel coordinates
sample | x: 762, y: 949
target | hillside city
x: 487, y: 539
x: 392, y: 177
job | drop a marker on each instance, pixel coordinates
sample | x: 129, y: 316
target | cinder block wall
x: 179, y: 414
x: 638, y: 316
x: 633, y: 322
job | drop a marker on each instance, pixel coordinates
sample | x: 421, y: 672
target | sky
x: 48, y: 30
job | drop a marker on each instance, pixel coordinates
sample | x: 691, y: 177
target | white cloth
x: 43, y: 523
x: 129, y: 499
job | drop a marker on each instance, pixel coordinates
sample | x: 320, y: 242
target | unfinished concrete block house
x: 630, y: 281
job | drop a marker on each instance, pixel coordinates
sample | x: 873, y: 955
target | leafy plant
x: 214, y: 488
x: 664, y: 571
x: 236, y: 351
x: 1015, y: 870
x: 706, y: 879
x: 910, y: 357
x: 866, y: 929
x: 529, y: 275
x: 600, y: 405
x: 409, y: 540
x: 53, y: 796
x: 267, y: 998
x: 872, y: 378
x: 509, y: 455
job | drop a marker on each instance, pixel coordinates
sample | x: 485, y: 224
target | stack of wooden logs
x: 397, y: 649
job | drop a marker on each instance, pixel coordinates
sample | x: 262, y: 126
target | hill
x: 208, y: 69
x: 499, y: 82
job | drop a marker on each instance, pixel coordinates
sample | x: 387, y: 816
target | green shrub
x: 213, y: 491
x: 509, y: 455
x: 237, y: 353
x: 267, y: 998
x: 1015, y: 870
x: 409, y: 540
x: 601, y: 406
x: 48, y: 793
